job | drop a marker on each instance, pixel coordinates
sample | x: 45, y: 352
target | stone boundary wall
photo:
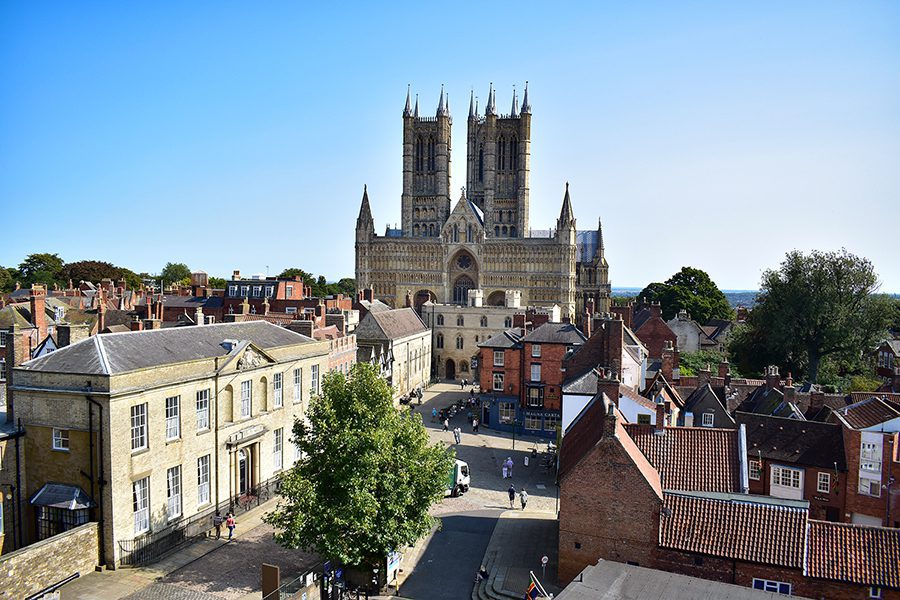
x: 32, y: 568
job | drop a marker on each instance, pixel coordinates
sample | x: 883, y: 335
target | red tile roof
x: 855, y: 553
x: 867, y: 413
x: 691, y: 458
x: 735, y: 526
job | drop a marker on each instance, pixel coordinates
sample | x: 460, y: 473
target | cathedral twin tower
x: 484, y: 242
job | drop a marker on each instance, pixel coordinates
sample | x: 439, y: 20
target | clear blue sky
x: 239, y: 135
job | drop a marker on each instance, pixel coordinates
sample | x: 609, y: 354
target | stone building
x: 485, y: 241
x: 397, y: 341
x: 160, y: 428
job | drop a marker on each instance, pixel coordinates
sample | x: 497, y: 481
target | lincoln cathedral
x: 484, y: 241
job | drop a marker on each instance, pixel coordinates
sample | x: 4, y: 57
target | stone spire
x: 526, y: 105
x: 407, y: 110
x: 416, y: 111
x: 442, y: 109
x: 514, y: 110
x: 489, y: 106
x: 472, y: 105
x: 600, y: 248
x: 365, y: 211
x: 566, y: 215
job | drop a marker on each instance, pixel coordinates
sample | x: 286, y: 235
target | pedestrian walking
x: 504, y: 471
x: 230, y: 523
x: 446, y: 424
x: 217, y: 523
x: 457, y: 433
x: 523, y: 498
x: 475, y: 425
x: 512, y: 494
x: 509, y: 466
x: 433, y: 414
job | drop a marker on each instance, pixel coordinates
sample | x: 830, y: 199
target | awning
x: 62, y: 495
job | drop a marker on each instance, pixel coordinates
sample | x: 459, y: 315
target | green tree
x: 91, y: 270
x: 42, y: 268
x: 132, y: 279
x: 174, y: 272
x: 217, y: 283
x: 814, y: 307
x: 7, y: 279
x: 690, y: 363
x: 367, y: 476
x: 692, y: 290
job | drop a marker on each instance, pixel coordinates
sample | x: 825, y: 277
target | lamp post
x: 887, y: 487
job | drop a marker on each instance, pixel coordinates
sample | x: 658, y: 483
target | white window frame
x: 277, y: 383
x: 61, y: 439
x: 550, y: 422
x: 173, y: 492
x: 289, y: 292
x: 499, y: 358
x: 140, y: 504
x: 533, y: 422
x: 536, y: 401
x: 870, y: 457
x: 754, y: 468
x: 708, y: 419
x: 768, y: 585
x: 823, y: 482
x: 298, y: 385
x: 535, y: 371
x: 203, y: 495
x: 203, y: 410
x: 139, y: 438
x: 278, y: 448
x: 506, y: 412
x: 787, y: 477
x: 173, y: 418
x: 246, y: 399
x: 498, y: 382
x: 867, y: 485
x: 876, y: 593
x: 314, y: 383
x: 535, y: 351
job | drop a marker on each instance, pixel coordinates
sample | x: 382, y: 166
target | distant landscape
x: 735, y: 297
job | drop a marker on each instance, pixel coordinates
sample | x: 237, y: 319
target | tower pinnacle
x: 442, y: 110
x: 472, y: 105
x: 416, y: 112
x: 489, y: 106
x: 526, y: 105
x: 566, y: 214
x: 514, y: 110
x: 407, y: 110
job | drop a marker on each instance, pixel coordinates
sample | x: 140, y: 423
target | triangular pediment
x: 245, y: 356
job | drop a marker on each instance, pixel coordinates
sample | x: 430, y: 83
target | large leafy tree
x: 7, y: 279
x: 91, y: 270
x: 692, y: 290
x: 815, y: 307
x: 367, y: 476
x: 174, y: 272
x: 41, y: 268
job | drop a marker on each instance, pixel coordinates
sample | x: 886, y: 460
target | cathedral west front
x: 484, y: 241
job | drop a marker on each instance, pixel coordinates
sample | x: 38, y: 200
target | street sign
x: 338, y: 574
x: 545, y: 560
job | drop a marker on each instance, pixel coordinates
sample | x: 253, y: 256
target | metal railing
x: 152, y: 546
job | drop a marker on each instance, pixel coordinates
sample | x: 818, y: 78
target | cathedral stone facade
x: 483, y: 242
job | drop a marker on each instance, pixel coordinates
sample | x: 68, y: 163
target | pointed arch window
x: 415, y: 230
x: 512, y: 231
x: 431, y: 230
x: 514, y: 154
x: 461, y: 289
x: 459, y: 342
x: 469, y: 237
x: 420, y: 155
x: 507, y: 322
x: 456, y: 233
x: 440, y: 340
x: 481, y: 163
x: 440, y: 319
x: 484, y: 321
x: 431, y: 154
x: 501, y: 153
x: 496, y: 231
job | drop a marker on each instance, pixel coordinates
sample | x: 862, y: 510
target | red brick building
x: 669, y: 499
x: 649, y: 326
x: 521, y: 377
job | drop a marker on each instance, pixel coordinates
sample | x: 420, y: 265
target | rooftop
x: 854, y: 553
x: 799, y: 442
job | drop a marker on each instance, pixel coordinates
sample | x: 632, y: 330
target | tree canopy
x: 42, y: 268
x: 816, y: 310
x: 692, y: 290
x: 175, y: 272
x: 319, y: 286
x: 367, y: 475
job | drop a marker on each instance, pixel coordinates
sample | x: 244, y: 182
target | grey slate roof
x: 62, y: 495
x: 787, y: 440
x: 504, y: 339
x: 609, y: 580
x: 115, y: 353
x: 390, y: 325
x: 556, y: 333
x: 582, y: 385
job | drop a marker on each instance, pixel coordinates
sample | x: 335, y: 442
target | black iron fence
x: 153, y: 546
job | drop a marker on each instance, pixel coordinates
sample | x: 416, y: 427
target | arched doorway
x: 243, y: 472
x: 463, y: 366
x: 423, y: 296
x: 497, y: 298
x: 450, y: 370
x: 462, y: 275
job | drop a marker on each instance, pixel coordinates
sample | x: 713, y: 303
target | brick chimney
x: 159, y: 308
x: 724, y: 368
x: 816, y: 398
x: 655, y: 310
x: 265, y: 306
x: 624, y: 312
x: 68, y: 333
x: 586, y: 323
x: 38, y: 314
x: 137, y: 325
x: 773, y: 379
x: 369, y: 293
x: 236, y: 274
x: 149, y: 306
x: 609, y: 422
x: 668, y: 361
x: 608, y: 383
x: 152, y: 324
x: 304, y: 327
x: 704, y: 375
x: 660, y: 425
x: 101, y: 309
x: 198, y: 316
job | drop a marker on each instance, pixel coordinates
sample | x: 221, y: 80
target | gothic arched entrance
x: 497, y: 298
x: 450, y: 371
x: 461, y: 288
x: 463, y: 276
